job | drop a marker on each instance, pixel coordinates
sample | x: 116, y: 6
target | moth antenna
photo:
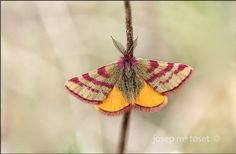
x: 135, y: 42
x: 118, y: 45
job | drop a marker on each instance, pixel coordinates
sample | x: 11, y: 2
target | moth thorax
x: 128, y: 56
x: 129, y: 83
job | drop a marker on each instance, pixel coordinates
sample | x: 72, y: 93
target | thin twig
x: 129, y: 27
x: 123, y: 134
x: 129, y: 33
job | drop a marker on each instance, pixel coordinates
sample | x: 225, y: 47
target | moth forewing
x: 95, y: 85
x: 164, y: 76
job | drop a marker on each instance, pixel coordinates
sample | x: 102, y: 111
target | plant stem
x: 123, y: 134
x: 129, y: 34
x: 129, y: 27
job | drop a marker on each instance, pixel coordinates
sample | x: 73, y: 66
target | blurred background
x: 43, y: 44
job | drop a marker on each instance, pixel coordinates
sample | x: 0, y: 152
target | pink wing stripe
x: 94, y: 81
x: 153, y: 66
x: 161, y: 73
x: 178, y: 86
x: 76, y: 80
x: 180, y: 68
x: 167, y: 80
x: 81, y: 98
x: 102, y: 71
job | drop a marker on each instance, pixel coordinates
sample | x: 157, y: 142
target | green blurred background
x: 45, y: 43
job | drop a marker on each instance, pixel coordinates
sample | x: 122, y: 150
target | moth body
x: 129, y: 82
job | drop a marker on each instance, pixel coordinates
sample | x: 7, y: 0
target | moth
x: 129, y: 83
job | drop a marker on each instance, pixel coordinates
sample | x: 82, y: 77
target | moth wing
x: 94, y: 87
x: 149, y: 100
x: 114, y: 104
x: 163, y: 77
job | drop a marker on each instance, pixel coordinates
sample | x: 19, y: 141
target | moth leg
x: 114, y: 104
x: 149, y: 100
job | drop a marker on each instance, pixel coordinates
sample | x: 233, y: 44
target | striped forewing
x: 163, y: 76
x: 93, y: 87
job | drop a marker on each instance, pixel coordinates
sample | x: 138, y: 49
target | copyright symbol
x: 216, y: 138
